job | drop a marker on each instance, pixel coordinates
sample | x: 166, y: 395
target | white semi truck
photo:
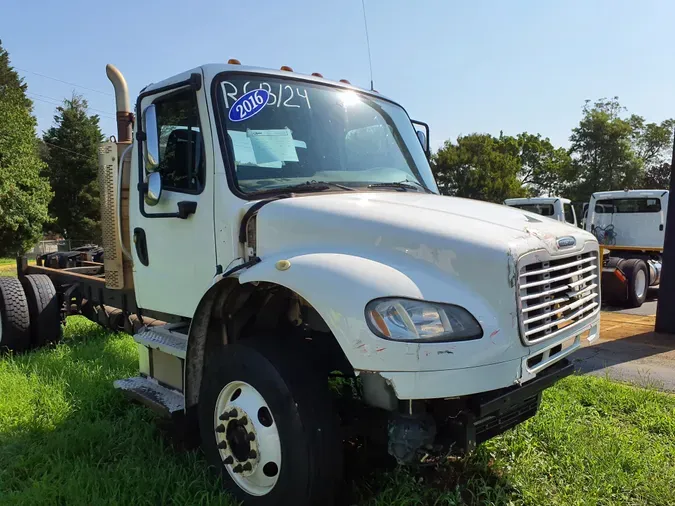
x: 266, y: 230
x: 630, y: 226
x: 556, y: 208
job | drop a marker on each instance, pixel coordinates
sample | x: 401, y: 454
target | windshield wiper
x: 403, y: 185
x: 306, y: 187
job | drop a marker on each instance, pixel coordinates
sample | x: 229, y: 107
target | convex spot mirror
x: 423, y: 139
x: 422, y: 130
x: 153, y: 188
x: 151, y: 143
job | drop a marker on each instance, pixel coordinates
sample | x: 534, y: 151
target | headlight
x: 417, y: 320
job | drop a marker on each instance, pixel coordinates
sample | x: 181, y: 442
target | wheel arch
x: 220, y: 308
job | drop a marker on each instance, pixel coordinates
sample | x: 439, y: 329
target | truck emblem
x: 566, y: 242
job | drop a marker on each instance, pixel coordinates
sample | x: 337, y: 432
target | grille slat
x: 557, y: 278
x: 550, y: 303
x: 557, y: 301
x: 557, y: 267
x: 560, y: 289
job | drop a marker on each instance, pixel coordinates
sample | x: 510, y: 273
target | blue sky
x: 463, y: 67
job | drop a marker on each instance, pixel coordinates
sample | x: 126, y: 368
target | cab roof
x: 619, y: 194
x: 210, y: 70
x: 537, y: 200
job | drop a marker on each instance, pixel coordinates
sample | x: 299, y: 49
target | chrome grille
x: 557, y: 293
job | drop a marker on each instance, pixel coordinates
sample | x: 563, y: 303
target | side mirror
x: 151, y: 143
x: 423, y: 139
x: 153, y: 188
x: 422, y: 130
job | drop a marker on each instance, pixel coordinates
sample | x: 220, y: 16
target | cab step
x: 165, y: 401
x: 170, y: 339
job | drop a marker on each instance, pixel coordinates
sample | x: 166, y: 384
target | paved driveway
x: 629, y: 350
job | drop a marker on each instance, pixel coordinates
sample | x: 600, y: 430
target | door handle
x: 661, y: 227
x: 141, y: 246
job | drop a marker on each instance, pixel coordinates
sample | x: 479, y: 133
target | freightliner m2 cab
x: 630, y: 226
x: 265, y: 231
x: 556, y: 208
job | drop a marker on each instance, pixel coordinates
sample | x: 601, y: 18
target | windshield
x: 283, y: 133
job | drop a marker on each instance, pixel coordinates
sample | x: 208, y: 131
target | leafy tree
x: 653, y: 143
x: 544, y: 169
x: 479, y: 166
x: 72, y: 159
x: 24, y: 194
x: 603, y: 151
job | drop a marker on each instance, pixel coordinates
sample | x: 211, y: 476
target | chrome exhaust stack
x: 125, y: 118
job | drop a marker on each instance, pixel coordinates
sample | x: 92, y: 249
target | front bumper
x: 458, y: 382
x: 488, y: 415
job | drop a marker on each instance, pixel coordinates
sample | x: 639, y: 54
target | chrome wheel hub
x: 247, y: 438
x: 640, y: 283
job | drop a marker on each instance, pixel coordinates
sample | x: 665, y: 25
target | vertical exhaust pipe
x: 125, y: 118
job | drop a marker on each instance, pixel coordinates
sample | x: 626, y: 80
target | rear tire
x: 44, y: 309
x: 637, y: 279
x: 287, y: 405
x: 14, y: 316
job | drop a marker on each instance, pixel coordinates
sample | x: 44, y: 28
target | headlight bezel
x: 439, y: 306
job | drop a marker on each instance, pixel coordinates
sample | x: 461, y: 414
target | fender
x: 197, y: 336
x: 340, y: 285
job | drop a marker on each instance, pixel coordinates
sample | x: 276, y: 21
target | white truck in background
x: 265, y: 230
x: 630, y: 227
x: 556, y: 208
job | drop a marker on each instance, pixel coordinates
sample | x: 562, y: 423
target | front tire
x: 267, y: 425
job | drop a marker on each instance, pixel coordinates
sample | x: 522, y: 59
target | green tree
x: 603, y: 151
x: 544, y: 169
x: 72, y: 159
x: 24, y: 194
x: 479, y: 166
x: 653, y: 145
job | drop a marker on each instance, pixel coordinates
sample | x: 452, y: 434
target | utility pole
x: 665, y: 309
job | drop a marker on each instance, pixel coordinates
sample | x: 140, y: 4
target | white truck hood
x: 358, y: 246
x: 414, y: 219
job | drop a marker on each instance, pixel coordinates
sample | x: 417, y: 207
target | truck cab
x: 630, y: 226
x: 267, y: 231
x: 556, y: 208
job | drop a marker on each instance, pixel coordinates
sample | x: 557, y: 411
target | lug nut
x: 253, y: 454
x: 222, y: 445
x: 250, y: 436
x: 238, y: 468
x: 228, y: 460
x: 243, y: 420
x: 220, y: 428
x: 247, y: 466
x: 228, y: 414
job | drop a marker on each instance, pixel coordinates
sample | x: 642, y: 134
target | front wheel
x: 267, y: 425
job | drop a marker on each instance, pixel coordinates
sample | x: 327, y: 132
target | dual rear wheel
x: 30, y: 313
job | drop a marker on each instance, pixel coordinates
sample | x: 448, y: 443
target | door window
x: 181, y: 148
x: 569, y: 213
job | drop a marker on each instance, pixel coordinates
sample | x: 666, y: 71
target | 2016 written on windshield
x: 231, y: 92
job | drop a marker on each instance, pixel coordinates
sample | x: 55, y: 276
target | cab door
x: 173, y: 243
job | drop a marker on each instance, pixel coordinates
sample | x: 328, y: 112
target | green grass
x: 67, y: 437
x: 7, y: 267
